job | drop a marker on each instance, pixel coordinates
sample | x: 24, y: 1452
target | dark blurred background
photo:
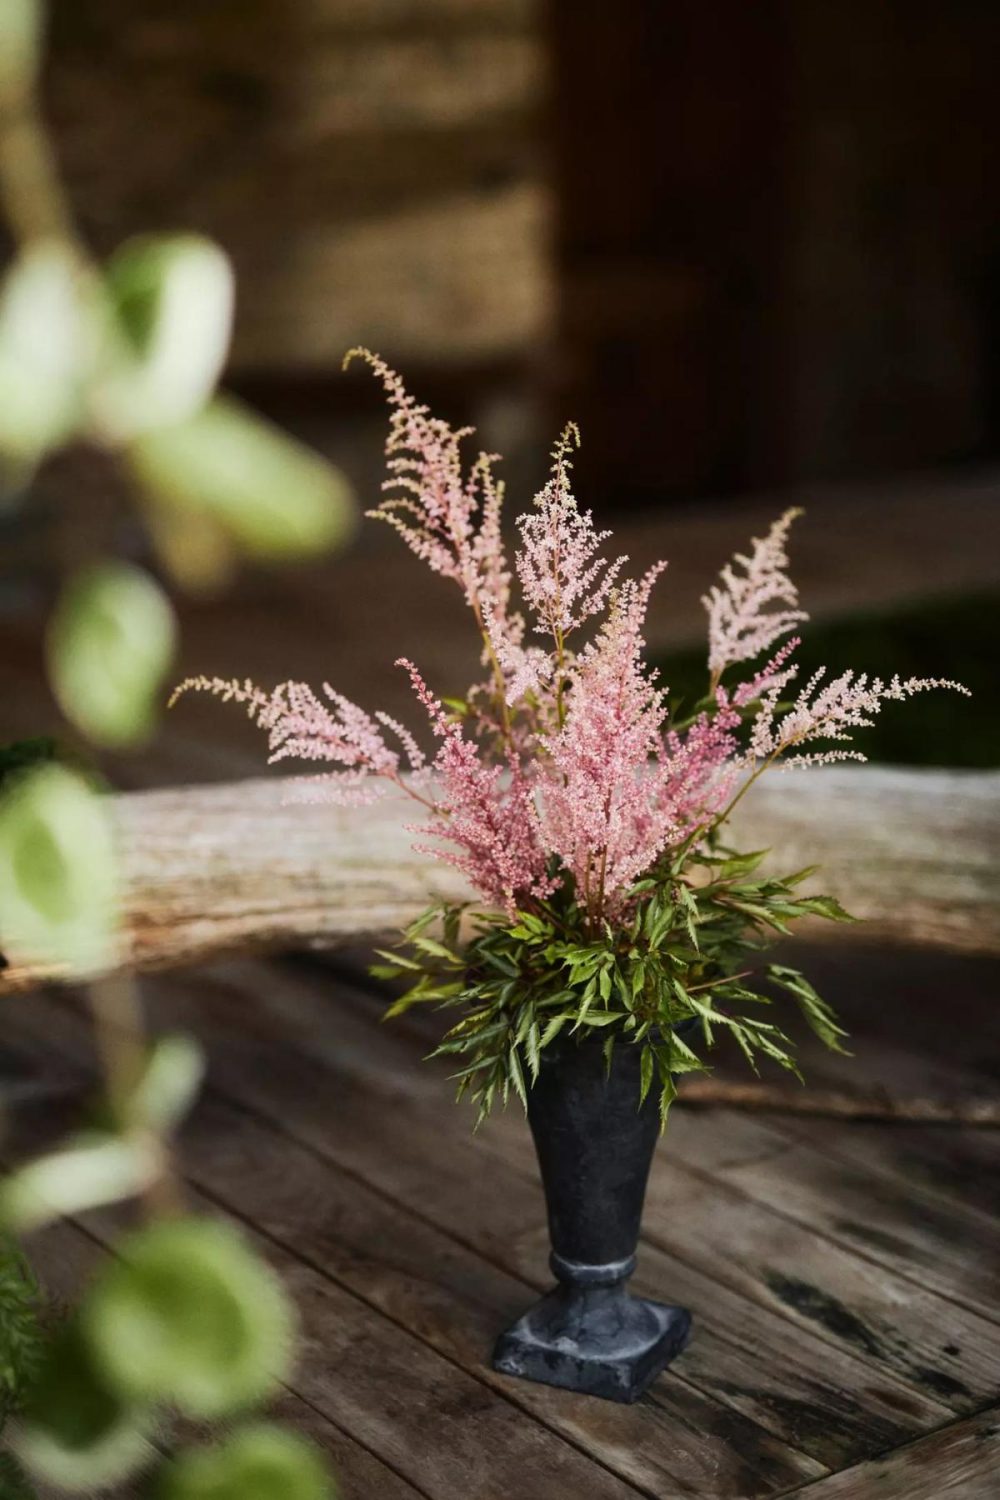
x: 752, y: 248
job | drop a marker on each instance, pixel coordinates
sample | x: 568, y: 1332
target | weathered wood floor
x: 843, y: 1277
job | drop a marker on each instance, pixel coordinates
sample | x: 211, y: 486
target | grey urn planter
x: 595, y: 1146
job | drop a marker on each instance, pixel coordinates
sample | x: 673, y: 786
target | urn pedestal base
x: 594, y: 1339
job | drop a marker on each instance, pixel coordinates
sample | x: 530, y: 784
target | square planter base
x: 596, y: 1340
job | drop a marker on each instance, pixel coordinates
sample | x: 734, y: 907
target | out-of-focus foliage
x: 190, y: 1317
x: 172, y: 300
x: 127, y: 356
x: 43, y: 354
x: 21, y: 1337
x: 236, y: 484
x: 110, y: 645
x: 257, y: 1463
x: 58, y: 872
x: 76, y: 1433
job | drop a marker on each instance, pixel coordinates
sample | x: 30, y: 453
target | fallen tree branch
x: 229, y: 867
x: 707, y: 1093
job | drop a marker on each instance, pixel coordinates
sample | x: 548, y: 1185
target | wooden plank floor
x: 843, y: 1277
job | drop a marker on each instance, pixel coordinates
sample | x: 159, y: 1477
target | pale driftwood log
x: 216, y: 869
x: 839, y: 1104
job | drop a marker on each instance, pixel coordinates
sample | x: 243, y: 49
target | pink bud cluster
x: 565, y: 769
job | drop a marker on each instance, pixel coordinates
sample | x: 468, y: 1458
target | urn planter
x: 595, y: 1145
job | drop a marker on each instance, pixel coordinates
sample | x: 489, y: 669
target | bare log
x: 228, y: 867
x: 840, y: 1104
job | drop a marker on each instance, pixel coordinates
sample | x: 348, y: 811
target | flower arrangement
x: 588, y: 815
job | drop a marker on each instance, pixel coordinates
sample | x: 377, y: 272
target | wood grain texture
x: 408, y: 1241
x: 962, y: 1460
x: 226, y: 867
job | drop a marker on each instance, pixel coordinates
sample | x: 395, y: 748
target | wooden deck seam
x: 901, y: 1448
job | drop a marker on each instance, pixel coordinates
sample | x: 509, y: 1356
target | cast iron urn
x: 595, y: 1145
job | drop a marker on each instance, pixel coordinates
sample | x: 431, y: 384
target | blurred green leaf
x: 20, y: 43
x: 272, y: 496
x: 85, y: 1174
x: 258, y: 1463
x: 58, y: 872
x: 14, y: 1483
x: 76, y: 1433
x: 110, y: 645
x: 20, y: 754
x: 43, y: 352
x: 192, y: 1317
x: 172, y: 298
x: 170, y: 1084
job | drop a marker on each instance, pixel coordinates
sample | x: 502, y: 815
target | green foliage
x: 246, y: 484
x: 87, y: 1172
x: 14, y: 1483
x: 682, y: 953
x: 58, y: 871
x: 191, y: 1317
x: 110, y: 645
x: 257, y: 1463
x: 43, y: 353
x: 22, y: 755
x: 22, y: 1341
x: 76, y: 1432
x: 172, y: 303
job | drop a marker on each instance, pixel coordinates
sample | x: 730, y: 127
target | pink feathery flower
x: 741, y: 620
x: 447, y: 517
x: 300, y: 726
x: 828, y: 711
x: 564, y: 579
x: 695, y: 772
x: 526, y: 669
x: 487, y: 815
x: 595, y: 811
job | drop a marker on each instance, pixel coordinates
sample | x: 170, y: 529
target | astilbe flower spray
x: 563, y: 788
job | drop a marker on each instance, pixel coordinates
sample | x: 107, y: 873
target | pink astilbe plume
x: 487, y: 815
x: 827, y: 711
x: 300, y: 726
x: 598, y: 808
x: 741, y: 619
x: 449, y: 517
x: 561, y: 776
x: 564, y: 579
x: 695, y: 773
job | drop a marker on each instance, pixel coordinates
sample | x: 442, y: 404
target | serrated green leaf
x: 646, y: 1070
